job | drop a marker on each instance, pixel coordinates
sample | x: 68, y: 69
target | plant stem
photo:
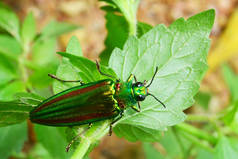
x: 179, y: 141
x: 96, y: 132
x: 132, y: 28
x: 197, y: 142
x: 197, y: 132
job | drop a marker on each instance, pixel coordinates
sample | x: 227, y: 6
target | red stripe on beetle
x: 73, y: 119
x: 70, y: 94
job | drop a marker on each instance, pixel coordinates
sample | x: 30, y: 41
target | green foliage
x: 179, y: 51
x: 181, y: 58
x: 12, y: 139
x: 226, y: 148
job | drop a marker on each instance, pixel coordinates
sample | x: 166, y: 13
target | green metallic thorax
x: 124, y: 95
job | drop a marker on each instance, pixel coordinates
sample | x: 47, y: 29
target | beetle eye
x: 139, y: 84
x: 140, y: 97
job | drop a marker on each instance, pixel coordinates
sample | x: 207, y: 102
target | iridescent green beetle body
x: 91, y: 102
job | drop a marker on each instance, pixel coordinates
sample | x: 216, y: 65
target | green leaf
x: 12, y: 139
x: 13, y: 112
x: 151, y: 152
x: 226, y: 148
x: 231, y: 80
x: 66, y: 70
x: 180, y: 53
x: 8, y: 69
x: 52, y: 140
x: 142, y: 28
x: 74, y: 47
x: 87, y: 69
x: 9, y: 22
x: 117, y: 28
x: 9, y: 90
x: 129, y: 9
x: 29, y: 98
x: 40, y: 78
x: 118, y: 33
x: 203, y: 154
x: 203, y: 99
x: 55, y: 29
x: 28, y: 30
x: 43, y: 52
x: 9, y: 46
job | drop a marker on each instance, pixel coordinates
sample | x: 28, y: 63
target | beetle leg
x: 61, y: 80
x: 113, y: 122
x: 135, y: 108
x: 77, y: 136
x: 99, y: 70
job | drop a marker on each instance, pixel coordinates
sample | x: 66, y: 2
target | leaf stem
x: 197, y: 132
x: 95, y: 133
x: 196, y: 141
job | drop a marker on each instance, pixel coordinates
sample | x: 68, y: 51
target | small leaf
x: 8, y: 70
x: 231, y: 80
x: 55, y: 29
x: 10, y: 46
x: 39, y: 78
x: 74, y: 47
x: 9, y: 90
x: 28, y: 30
x: 117, y: 28
x: 87, y: 69
x: 118, y: 33
x: 43, y: 52
x: 13, y: 112
x: 180, y: 53
x: 9, y: 21
x: 52, y: 140
x: 29, y: 98
x: 66, y: 70
x: 12, y: 139
x: 226, y: 148
x: 142, y: 28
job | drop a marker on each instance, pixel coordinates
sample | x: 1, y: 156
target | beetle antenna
x: 152, y: 77
x: 157, y: 99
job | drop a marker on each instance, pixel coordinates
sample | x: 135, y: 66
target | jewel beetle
x: 92, y: 102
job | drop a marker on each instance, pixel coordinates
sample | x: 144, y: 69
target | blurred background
x: 214, y: 94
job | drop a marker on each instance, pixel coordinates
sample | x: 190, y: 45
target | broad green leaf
x: 13, y: 112
x: 28, y: 30
x: 226, y: 148
x: 55, y: 29
x: 9, y: 46
x: 12, y: 139
x: 9, y: 90
x: 180, y: 53
x: 8, y: 69
x: 52, y: 140
x: 9, y: 22
x: 117, y: 28
x: 66, y: 70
